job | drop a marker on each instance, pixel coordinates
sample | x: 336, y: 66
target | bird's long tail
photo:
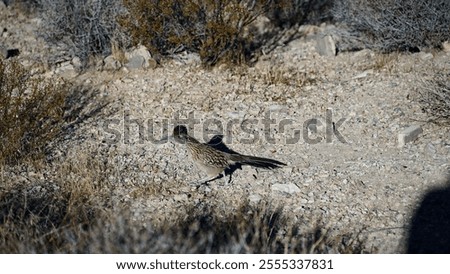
x: 257, y: 161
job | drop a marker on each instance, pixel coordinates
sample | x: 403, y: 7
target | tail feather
x: 257, y: 161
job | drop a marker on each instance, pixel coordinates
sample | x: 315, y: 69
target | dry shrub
x: 395, y: 25
x: 27, y: 6
x: 82, y: 28
x: 434, y: 96
x: 219, y: 30
x: 214, y: 29
x: 287, y: 13
x: 31, y: 112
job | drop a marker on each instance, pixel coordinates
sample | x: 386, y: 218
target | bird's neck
x: 191, y: 139
x: 186, y: 139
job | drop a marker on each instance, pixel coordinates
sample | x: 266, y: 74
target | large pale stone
x: 326, y: 46
x: 408, y: 135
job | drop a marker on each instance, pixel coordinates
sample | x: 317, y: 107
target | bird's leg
x: 206, y: 180
x: 229, y: 180
x: 212, y: 179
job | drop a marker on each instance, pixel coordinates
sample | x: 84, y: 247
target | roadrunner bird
x: 217, y: 163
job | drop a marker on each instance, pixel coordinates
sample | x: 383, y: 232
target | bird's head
x: 180, y: 133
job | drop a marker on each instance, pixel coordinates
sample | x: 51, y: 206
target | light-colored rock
x: 66, y: 70
x: 187, y: 58
x: 408, y: 135
x: 140, y: 58
x: 254, y: 198
x: 235, y: 115
x: 326, y: 46
x: 446, y: 46
x: 141, y: 51
x: 76, y: 62
x: 286, y: 188
x: 136, y: 62
x: 5, y: 34
x: 425, y: 56
x: 366, y: 54
x: 277, y: 107
x: 110, y: 63
x: 363, y: 74
x: 124, y: 70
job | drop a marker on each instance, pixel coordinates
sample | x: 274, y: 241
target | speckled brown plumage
x: 213, y: 161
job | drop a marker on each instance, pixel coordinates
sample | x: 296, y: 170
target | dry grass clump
x: 288, y: 77
x: 396, y: 25
x: 35, y: 217
x: 31, y: 112
x: 434, y: 96
x: 385, y: 62
x: 42, y: 212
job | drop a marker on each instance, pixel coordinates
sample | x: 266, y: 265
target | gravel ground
x: 367, y: 182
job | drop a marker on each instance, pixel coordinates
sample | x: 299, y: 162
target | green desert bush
x: 395, y: 25
x: 31, y: 112
x: 213, y: 28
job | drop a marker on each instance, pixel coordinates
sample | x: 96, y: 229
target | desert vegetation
x: 31, y: 112
x: 434, y: 96
x: 395, y: 25
x: 83, y: 28
x: 65, y: 205
x: 75, y: 216
x: 225, y: 30
x: 219, y: 31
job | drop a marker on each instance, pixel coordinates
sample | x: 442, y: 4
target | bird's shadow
x: 217, y: 143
